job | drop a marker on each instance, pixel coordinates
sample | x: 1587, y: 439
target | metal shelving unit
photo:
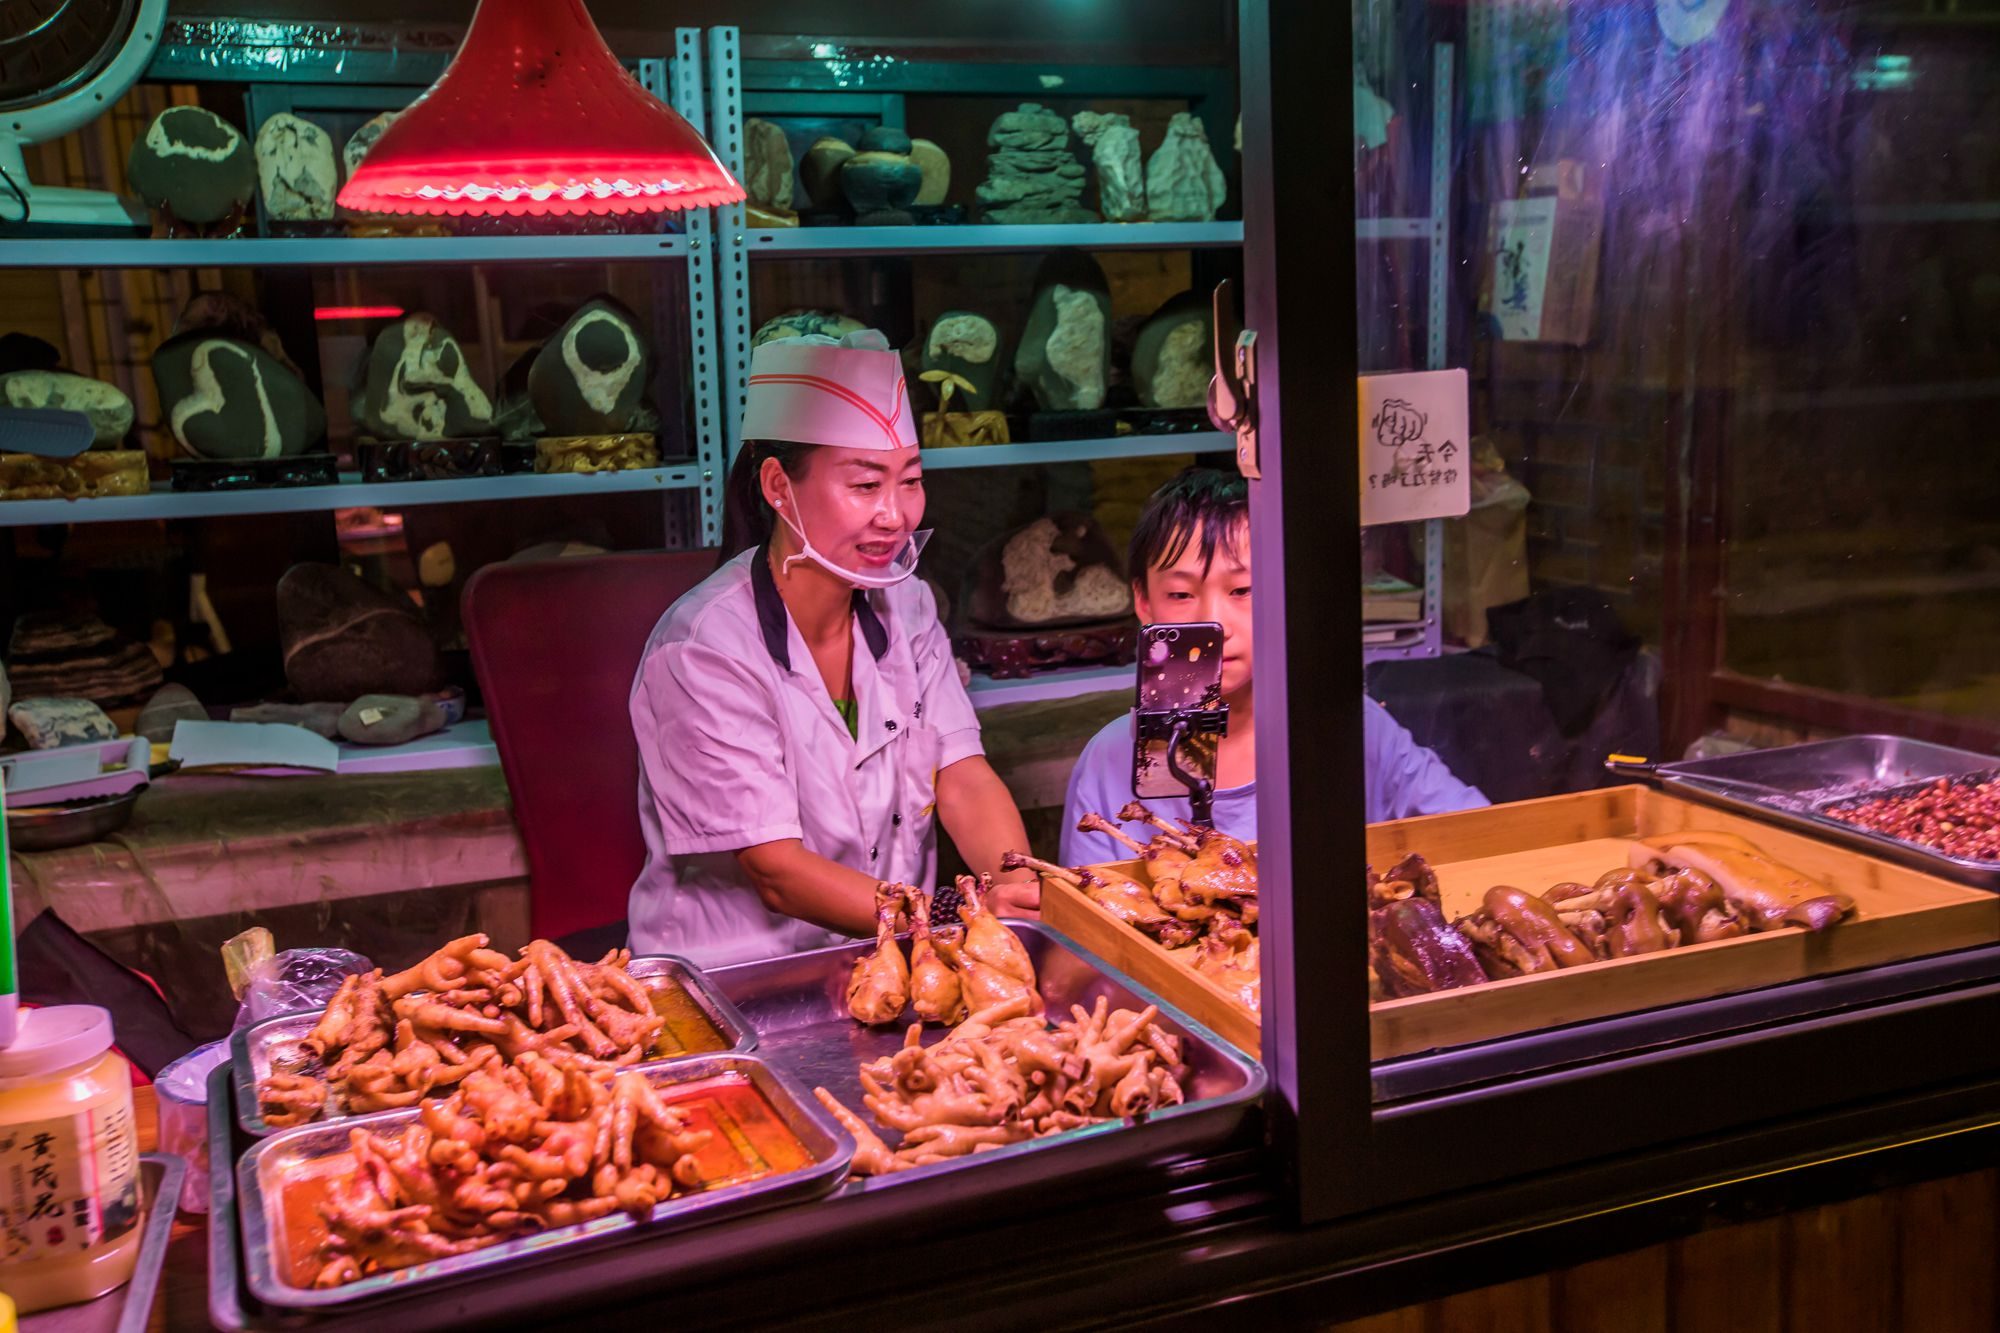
x: 1036, y: 453
x: 1425, y: 637
x: 678, y: 81
x: 340, y: 251
x: 785, y: 242
x: 351, y: 493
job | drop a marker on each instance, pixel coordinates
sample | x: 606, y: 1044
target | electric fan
x: 62, y: 64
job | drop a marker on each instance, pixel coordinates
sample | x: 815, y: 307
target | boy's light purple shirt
x: 1403, y: 779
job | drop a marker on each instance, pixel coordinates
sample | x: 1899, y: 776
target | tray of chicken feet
x: 478, y: 1113
x: 383, y: 1042
x: 973, y: 1042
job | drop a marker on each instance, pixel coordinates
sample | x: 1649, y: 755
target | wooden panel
x: 1409, y: 1319
x: 1947, y: 1243
x: 1534, y: 844
x: 1513, y: 1307
x: 1627, y: 1292
x: 1839, y: 1269
x: 1730, y: 1280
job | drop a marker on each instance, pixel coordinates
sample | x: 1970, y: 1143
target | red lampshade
x: 535, y: 115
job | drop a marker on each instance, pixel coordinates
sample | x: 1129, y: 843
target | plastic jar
x: 69, y: 1160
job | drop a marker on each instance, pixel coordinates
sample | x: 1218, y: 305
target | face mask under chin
x: 899, y: 569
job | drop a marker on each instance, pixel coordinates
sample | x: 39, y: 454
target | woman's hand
x: 978, y: 811
x: 1017, y: 897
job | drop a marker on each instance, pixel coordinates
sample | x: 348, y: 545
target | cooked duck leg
x: 880, y: 986
x: 934, y: 988
x: 1096, y: 823
x: 1223, y: 870
x: 986, y: 939
x: 1135, y: 813
x: 987, y: 988
x: 1120, y: 895
x: 1165, y: 862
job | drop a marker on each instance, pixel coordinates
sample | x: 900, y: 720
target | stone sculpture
x: 1183, y: 183
x: 880, y: 181
x: 593, y: 375
x: 194, y: 164
x: 819, y: 171
x: 936, y: 168
x: 295, y: 167
x: 109, y: 410
x: 343, y: 638
x: 800, y: 323
x: 1031, y: 174
x: 967, y: 345
x: 767, y: 175
x: 358, y: 143
x: 1172, y: 359
x: 1065, y: 352
x: 418, y: 386
x: 1121, y: 173
x: 223, y: 398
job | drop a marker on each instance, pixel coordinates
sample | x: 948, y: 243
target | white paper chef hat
x: 847, y: 392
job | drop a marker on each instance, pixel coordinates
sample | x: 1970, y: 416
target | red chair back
x: 556, y: 643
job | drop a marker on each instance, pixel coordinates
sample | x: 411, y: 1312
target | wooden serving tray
x: 1900, y: 913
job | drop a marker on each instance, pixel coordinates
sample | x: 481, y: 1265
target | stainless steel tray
x: 130, y: 1308
x: 250, y: 1048
x: 1794, y: 784
x: 265, y: 1241
x: 799, y: 1007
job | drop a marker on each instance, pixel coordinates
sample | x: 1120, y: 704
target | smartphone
x: 1180, y: 666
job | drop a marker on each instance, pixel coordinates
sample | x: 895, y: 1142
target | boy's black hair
x: 1202, y: 504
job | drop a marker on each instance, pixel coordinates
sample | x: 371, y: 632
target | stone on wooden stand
x: 196, y: 169
x: 296, y: 169
x: 1183, y: 183
x: 1172, y: 359
x: 1031, y: 174
x: 1121, y: 172
x: 1065, y: 354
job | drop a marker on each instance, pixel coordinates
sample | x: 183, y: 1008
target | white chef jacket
x: 740, y: 744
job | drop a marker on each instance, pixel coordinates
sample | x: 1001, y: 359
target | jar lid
x: 57, y: 1037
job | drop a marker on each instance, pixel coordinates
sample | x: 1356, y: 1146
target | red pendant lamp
x: 535, y: 115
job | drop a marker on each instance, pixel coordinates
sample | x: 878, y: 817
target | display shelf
x: 1395, y: 229
x: 336, y: 251
x: 1061, y: 683
x: 1036, y: 453
x: 783, y: 242
x: 351, y: 493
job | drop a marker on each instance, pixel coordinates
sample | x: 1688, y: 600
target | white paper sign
x: 1415, y: 462
x: 1526, y: 231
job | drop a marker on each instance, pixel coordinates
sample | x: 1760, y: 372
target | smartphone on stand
x: 1180, y: 667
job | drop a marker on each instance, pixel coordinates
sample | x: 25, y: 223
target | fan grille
x: 48, y: 47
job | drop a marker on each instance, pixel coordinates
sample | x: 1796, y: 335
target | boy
x: 1190, y: 560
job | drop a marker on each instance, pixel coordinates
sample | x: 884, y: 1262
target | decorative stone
x: 75, y: 655
x: 320, y: 719
x: 967, y: 345
x: 48, y: 723
x: 801, y: 323
x: 1121, y: 171
x: 819, y: 171
x: 1172, y: 359
x: 109, y: 410
x: 931, y: 160
x: 592, y: 376
x: 343, y: 638
x: 418, y: 386
x: 194, y: 164
x: 1060, y: 569
x: 767, y: 169
x: 358, y: 143
x: 227, y: 315
x: 1031, y: 175
x: 295, y: 167
x: 228, y: 399
x: 880, y: 187
x: 1065, y: 352
x: 169, y: 706
x: 389, y: 719
x: 1183, y: 183
x: 885, y: 139
x: 437, y: 566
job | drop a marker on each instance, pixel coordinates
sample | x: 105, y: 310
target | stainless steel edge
x: 164, y: 1174
x: 728, y: 1020
x: 815, y: 1128
x: 225, y: 1303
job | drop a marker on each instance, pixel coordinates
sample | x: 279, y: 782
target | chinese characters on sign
x: 1414, y: 451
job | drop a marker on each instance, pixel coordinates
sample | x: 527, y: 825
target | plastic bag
x: 296, y: 979
x: 182, y: 1088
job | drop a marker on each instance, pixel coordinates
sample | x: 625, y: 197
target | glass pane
x: 1720, y: 275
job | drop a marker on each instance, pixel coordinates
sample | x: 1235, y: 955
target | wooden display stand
x: 1899, y: 914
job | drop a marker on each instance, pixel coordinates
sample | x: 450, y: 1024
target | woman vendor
x: 801, y: 722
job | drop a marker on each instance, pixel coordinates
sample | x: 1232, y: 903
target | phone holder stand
x: 1175, y: 726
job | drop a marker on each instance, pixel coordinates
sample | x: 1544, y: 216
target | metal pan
x: 799, y: 1007
x: 129, y: 1309
x: 1794, y: 784
x: 251, y: 1047
x: 263, y: 1171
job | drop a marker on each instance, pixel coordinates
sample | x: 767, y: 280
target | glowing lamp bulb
x: 535, y: 115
